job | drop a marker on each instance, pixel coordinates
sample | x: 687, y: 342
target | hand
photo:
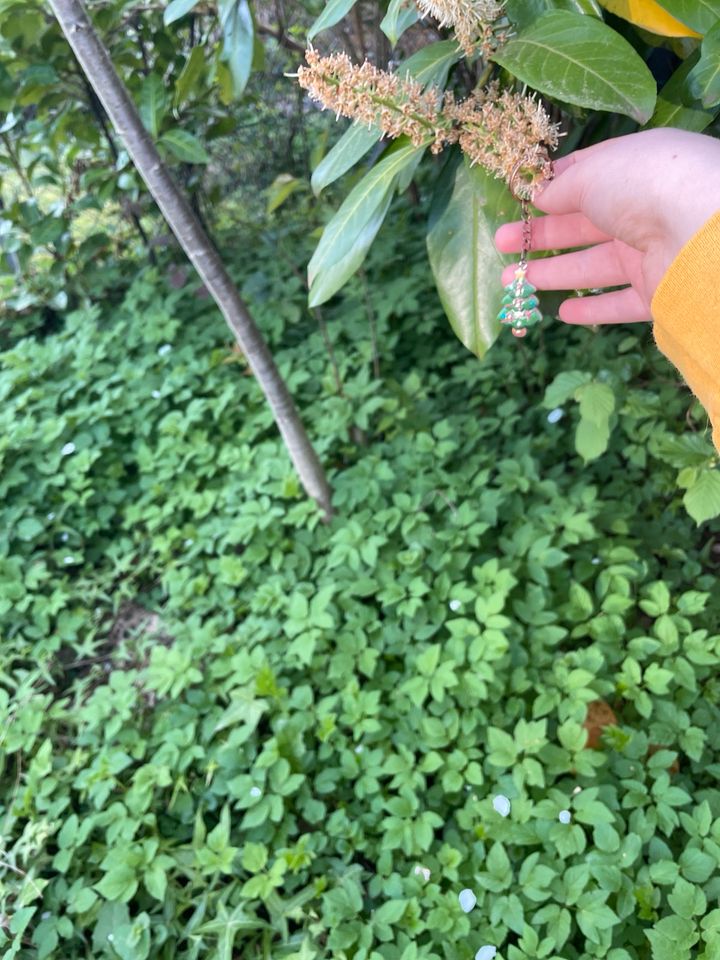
x: 632, y: 202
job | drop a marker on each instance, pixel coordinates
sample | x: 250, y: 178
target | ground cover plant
x: 232, y: 730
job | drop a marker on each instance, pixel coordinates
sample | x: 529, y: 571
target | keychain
x: 520, y: 305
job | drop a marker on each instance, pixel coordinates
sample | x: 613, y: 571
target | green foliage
x: 232, y: 730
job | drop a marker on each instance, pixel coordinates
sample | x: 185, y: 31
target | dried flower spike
x: 471, y: 20
x: 508, y: 134
x: 369, y: 95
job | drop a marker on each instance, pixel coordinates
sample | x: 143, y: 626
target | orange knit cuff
x: 686, y: 311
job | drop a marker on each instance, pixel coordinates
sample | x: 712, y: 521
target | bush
x: 233, y: 730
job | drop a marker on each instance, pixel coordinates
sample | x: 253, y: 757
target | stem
x: 371, y: 319
x: 317, y: 313
x: 17, y: 166
x: 112, y: 93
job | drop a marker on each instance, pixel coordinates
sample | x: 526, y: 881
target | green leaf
x: 468, y: 207
x: 185, y: 146
x: 597, y: 402
x: 431, y: 65
x: 190, y: 74
x: 591, y: 439
x: 704, y: 79
x: 563, y: 387
x: 401, y: 15
x: 702, y: 500
x: 118, y: 884
x: 350, y: 148
x: 280, y: 189
x: 155, y: 881
x: 390, y: 911
x: 254, y: 857
x: 153, y: 103
x: 582, y: 61
x: 177, y: 9
x: 239, y: 41
x: 676, y: 106
x: 333, y: 13
x: 347, y: 238
x: 701, y: 15
x: 29, y: 528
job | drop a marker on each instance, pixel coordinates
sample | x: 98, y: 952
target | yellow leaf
x: 650, y: 16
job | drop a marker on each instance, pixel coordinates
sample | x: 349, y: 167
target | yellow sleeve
x: 686, y: 314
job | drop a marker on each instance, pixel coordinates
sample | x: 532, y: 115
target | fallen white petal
x: 501, y: 805
x: 557, y: 414
x: 467, y: 900
x: 68, y: 449
x: 486, y: 953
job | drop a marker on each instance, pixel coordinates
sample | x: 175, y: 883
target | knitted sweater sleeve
x: 686, y: 314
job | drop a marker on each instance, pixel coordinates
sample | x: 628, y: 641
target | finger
x: 564, y: 193
x: 550, y: 233
x: 618, y: 306
x: 597, y: 266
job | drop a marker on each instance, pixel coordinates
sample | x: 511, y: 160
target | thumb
x: 572, y: 176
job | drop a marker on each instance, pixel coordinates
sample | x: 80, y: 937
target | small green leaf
x: 177, y: 9
x: 597, y: 402
x: 238, y: 41
x: 153, y: 103
x: 185, y: 146
x: 591, y: 440
x: 702, y: 500
x: 333, y: 13
x: 190, y: 74
x: 401, y: 15
x: 280, y: 189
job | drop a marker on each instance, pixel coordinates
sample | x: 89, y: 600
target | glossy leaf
x: 401, y: 15
x: 239, y: 41
x: 701, y: 15
x: 468, y: 207
x: 651, y: 16
x: 704, y: 80
x: 333, y: 13
x: 350, y: 148
x: 581, y: 61
x: 676, y: 105
x: 348, y: 236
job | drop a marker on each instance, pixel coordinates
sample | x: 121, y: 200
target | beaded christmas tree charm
x: 520, y: 305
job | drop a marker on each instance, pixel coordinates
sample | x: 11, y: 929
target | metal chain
x: 526, y: 234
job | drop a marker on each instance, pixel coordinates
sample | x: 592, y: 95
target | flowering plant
x: 497, y: 96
